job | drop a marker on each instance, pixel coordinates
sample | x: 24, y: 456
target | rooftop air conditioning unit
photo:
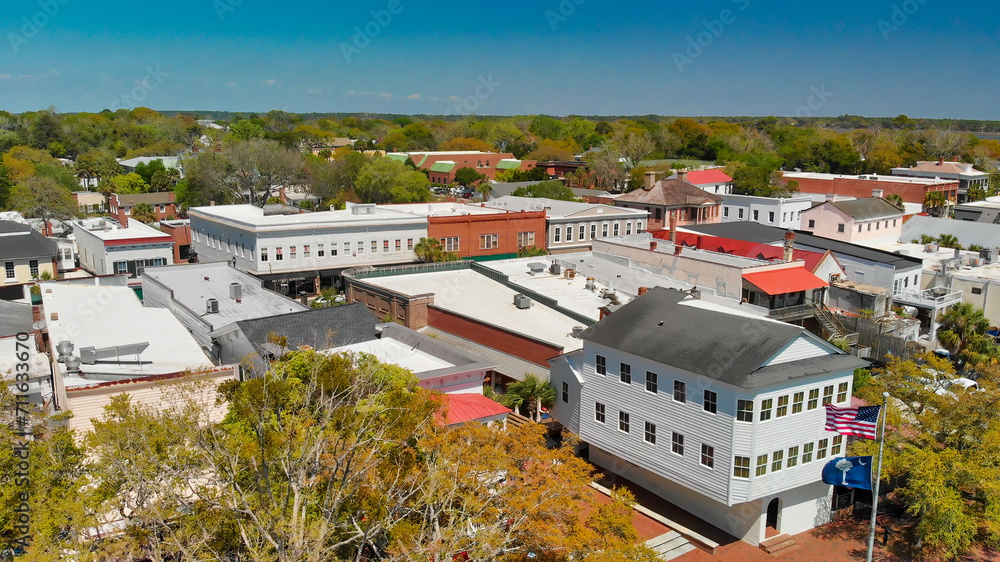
x: 212, y: 306
x: 931, y: 248
x: 976, y: 262
x: 235, y: 290
x: 989, y: 255
x: 522, y: 301
x: 555, y: 269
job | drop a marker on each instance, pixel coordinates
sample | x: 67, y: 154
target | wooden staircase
x: 776, y: 546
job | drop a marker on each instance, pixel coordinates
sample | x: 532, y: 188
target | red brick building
x: 912, y: 190
x: 164, y: 205
x: 673, y: 200
x: 180, y: 231
x: 441, y: 166
x: 474, y: 231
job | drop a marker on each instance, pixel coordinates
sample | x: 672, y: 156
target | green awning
x: 508, y: 164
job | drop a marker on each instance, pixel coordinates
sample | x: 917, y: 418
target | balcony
x: 936, y: 298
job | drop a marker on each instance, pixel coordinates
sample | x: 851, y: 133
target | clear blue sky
x: 569, y: 57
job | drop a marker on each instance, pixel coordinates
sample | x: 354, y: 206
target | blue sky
x: 923, y: 58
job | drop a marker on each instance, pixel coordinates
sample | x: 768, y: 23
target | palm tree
x: 949, y: 241
x: 143, y: 212
x: 428, y: 249
x: 895, y: 199
x: 961, y: 327
x: 934, y: 201
x: 976, y: 193
x: 534, y: 393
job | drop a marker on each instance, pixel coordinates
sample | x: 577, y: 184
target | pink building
x: 868, y: 222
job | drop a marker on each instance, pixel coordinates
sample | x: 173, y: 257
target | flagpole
x: 877, y: 479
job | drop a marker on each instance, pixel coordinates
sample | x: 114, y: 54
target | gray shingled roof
x: 725, y: 347
x: 320, y: 328
x: 21, y: 242
x: 867, y: 209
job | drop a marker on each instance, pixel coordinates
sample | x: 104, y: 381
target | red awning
x: 783, y: 281
x: 471, y: 407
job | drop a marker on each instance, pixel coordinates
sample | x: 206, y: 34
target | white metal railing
x: 938, y: 296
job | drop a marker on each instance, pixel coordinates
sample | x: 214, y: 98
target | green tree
x: 387, y: 181
x: 146, y: 170
x: 144, y: 213
x: 977, y: 193
x: 935, y: 202
x: 895, y: 199
x: 949, y: 241
x: 127, y: 184
x: 534, y: 394
x: 466, y: 176
x: 41, y: 197
x: 963, y: 332
x: 551, y: 189
x: 531, y: 251
x: 245, y: 130
x: 430, y: 250
x: 941, y: 449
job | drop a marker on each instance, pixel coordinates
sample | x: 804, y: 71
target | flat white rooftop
x: 932, y: 260
x: 443, y: 209
x: 571, y: 293
x: 474, y: 295
x: 113, y: 316
x: 395, y: 352
x: 109, y: 231
x: 253, y: 216
x: 187, y: 281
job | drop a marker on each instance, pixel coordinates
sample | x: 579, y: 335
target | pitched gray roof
x: 867, y: 209
x: 21, y: 242
x: 320, y: 328
x: 725, y: 347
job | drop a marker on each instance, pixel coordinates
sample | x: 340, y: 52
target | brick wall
x: 529, y: 349
x: 468, y: 229
x: 862, y: 189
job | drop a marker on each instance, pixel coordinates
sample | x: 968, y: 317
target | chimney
x: 643, y: 290
x: 682, y: 175
x: 789, y: 245
x: 650, y: 181
x: 673, y: 228
x: 678, y: 249
x: 878, y: 192
x: 941, y: 161
x: 652, y: 246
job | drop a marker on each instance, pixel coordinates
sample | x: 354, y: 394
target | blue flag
x: 850, y: 472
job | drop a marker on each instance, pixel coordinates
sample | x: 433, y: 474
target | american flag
x: 852, y: 421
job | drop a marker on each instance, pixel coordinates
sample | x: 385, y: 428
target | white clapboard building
x: 718, y: 412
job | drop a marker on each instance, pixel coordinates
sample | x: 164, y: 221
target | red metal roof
x: 471, y: 407
x: 703, y: 177
x: 742, y: 248
x: 783, y: 281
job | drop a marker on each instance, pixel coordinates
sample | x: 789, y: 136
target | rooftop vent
x: 522, y: 301
x: 578, y: 331
x: 534, y: 268
x: 235, y: 290
x: 555, y: 269
x: 91, y: 355
x: 212, y: 306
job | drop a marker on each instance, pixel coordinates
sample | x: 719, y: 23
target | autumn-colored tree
x: 941, y: 447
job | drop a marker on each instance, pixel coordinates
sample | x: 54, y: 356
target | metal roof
x: 984, y: 234
x: 730, y: 348
x: 319, y: 328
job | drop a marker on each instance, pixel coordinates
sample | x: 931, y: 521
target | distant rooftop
x: 154, y: 198
x: 867, y: 209
x: 983, y: 234
x: 561, y: 209
x: 940, y: 167
x: 869, y: 177
x: 20, y: 241
x: 444, y: 209
x: 318, y: 328
x: 193, y: 284
x: 168, y: 161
